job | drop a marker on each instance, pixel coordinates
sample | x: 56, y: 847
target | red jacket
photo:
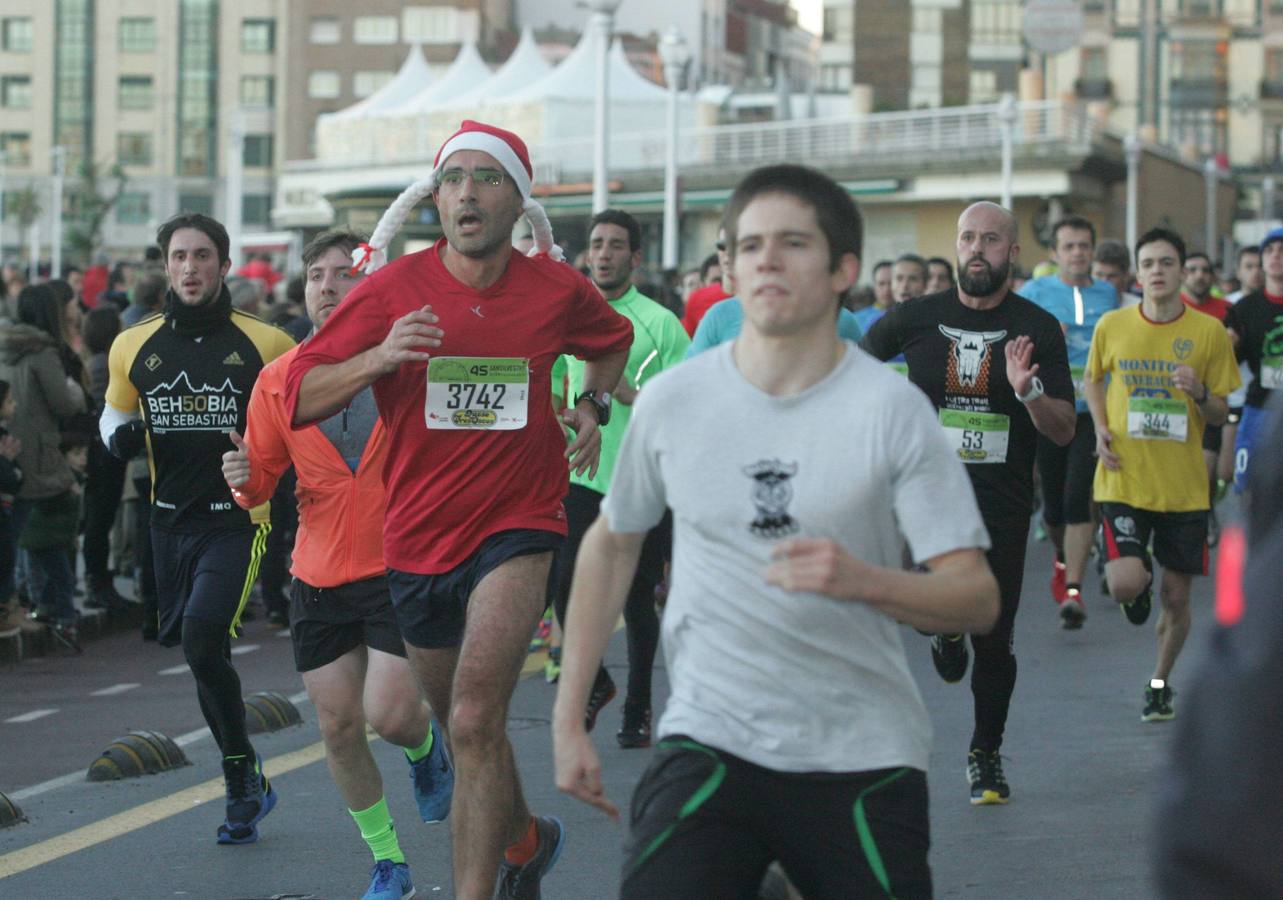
x: 340, y: 528
x: 700, y: 302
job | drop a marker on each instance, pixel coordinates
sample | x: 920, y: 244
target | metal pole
x: 1131, y: 149
x: 1007, y: 119
x: 4, y: 159
x: 603, y: 24
x: 1267, y: 198
x: 235, y: 185
x: 59, y: 171
x: 1209, y: 233
x: 672, y: 74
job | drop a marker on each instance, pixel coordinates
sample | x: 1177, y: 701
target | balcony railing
x: 1094, y: 89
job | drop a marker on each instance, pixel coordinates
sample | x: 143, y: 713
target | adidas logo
x: 233, y: 359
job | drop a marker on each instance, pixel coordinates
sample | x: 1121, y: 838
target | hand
x: 406, y: 340
x: 236, y: 468
x: 128, y: 440
x: 1020, y: 373
x: 1105, y: 449
x: 817, y: 566
x: 578, y: 769
x: 1185, y: 378
x: 585, y: 450
x: 10, y: 447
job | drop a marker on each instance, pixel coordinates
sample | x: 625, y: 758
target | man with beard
x: 955, y: 344
x: 190, y: 372
x: 659, y: 343
x: 458, y: 342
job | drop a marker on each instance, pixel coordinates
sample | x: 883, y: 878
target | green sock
x: 379, y: 832
x: 417, y: 753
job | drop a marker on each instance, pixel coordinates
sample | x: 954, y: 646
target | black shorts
x: 431, y: 610
x: 326, y: 623
x: 706, y: 824
x: 1180, y: 538
x: 204, y: 575
x: 1212, y: 438
x: 1067, y: 473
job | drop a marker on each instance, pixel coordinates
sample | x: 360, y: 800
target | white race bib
x: 477, y: 392
x: 1272, y: 372
x: 1157, y: 419
x: 1078, y: 373
x: 976, y: 437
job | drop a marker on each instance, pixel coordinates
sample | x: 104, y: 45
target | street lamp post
x: 1131, y: 149
x: 59, y: 173
x: 4, y: 160
x: 1267, y: 198
x: 603, y: 23
x: 1209, y: 180
x: 1007, y: 120
x: 676, y: 56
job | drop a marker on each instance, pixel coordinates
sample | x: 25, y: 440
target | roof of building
x: 466, y: 72
x: 524, y: 66
x: 413, y: 77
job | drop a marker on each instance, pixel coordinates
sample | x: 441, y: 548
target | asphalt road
x: 1083, y: 769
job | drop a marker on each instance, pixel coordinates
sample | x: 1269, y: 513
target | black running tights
x: 993, y: 675
x: 207, y: 648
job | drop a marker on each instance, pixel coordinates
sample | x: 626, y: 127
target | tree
x: 25, y: 204
x: 89, y: 202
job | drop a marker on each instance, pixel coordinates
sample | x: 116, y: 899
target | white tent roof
x: 410, y: 80
x: 576, y: 77
x: 525, y: 66
x: 466, y: 72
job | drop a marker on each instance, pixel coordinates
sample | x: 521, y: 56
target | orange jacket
x: 340, y: 527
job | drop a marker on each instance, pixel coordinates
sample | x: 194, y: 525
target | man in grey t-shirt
x: 795, y: 466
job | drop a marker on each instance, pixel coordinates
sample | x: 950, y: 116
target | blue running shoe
x: 433, y: 779
x: 249, y: 799
x: 389, y: 881
x: 522, y: 882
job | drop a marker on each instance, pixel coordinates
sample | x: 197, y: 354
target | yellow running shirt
x: 1157, y: 428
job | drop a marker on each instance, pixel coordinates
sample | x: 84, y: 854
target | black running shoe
x: 603, y: 691
x: 634, y: 733
x: 522, y: 882
x: 250, y: 798
x: 1158, y: 702
x: 988, y: 784
x: 1072, y: 611
x: 949, y: 653
x: 1137, y: 611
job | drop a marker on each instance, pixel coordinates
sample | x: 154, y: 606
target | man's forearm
x: 604, y: 571
x: 603, y: 373
x: 1054, y: 418
x: 326, y: 389
x: 959, y: 594
x: 1216, y: 410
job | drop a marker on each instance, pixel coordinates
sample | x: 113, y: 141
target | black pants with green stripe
x: 705, y: 825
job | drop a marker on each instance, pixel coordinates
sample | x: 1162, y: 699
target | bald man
x: 996, y: 368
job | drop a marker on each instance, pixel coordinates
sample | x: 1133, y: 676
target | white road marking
x: 175, y: 670
x: 30, y: 717
x: 115, y: 689
x: 283, y: 633
x: 242, y: 649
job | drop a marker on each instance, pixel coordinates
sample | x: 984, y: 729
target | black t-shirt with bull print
x: 956, y: 356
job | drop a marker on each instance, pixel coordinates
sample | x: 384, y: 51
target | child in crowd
x: 11, y: 613
x: 51, y: 529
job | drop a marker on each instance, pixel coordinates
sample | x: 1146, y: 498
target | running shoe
x: 1137, y: 611
x: 603, y: 691
x: 1072, y: 611
x: 552, y: 665
x: 389, y: 881
x: 433, y: 779
x: 543, y: 632
x: 67, y: 635
x: 949, y: 653
x: 250, y: 798
x: 521, y: 882
x: 1059, y: 590
x: 988, y: 784
x: 634, y: 732
x: 1158, y: 702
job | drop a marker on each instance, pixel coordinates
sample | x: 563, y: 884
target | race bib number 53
x: 977, y: 437
x: 471, y: 392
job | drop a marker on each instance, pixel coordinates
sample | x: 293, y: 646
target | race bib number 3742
x: 477, y: 392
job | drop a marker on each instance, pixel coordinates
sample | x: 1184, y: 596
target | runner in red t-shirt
x: 1198, y: 276
x: 702, y: 300
x: 476, y: 467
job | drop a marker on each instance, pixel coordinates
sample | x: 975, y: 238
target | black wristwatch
x: 600, y: 404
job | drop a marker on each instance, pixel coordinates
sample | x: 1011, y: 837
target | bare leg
x: 1173, y: 620
x: 1127, y: 578
x: 335, y: 690
x: 1078, y: 537
x: 394, y: 705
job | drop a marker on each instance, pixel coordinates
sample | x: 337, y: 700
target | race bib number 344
x: 477, y: 392
x: 1157, y: 419
x: 977, y: 437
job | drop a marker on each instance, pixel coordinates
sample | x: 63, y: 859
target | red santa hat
x: 508, y: 150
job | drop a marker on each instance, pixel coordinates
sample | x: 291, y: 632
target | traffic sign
x: 1053, y: 26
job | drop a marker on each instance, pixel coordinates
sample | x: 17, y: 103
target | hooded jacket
x: 31, y: 363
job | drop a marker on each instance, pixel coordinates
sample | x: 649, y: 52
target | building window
x: 258, y: 35
x: 1274, y: 65
x: 366, y: 83
x: 18, y: 35
x: 258, y: 150
x: 374, y: 29
x: 430, y: 25
x: 196, y: 203
x: 134, y: 149
x: 1198, y: 60
x: 137, y: 35
x: 323, y: 84
x: 15, y: 91
x: 326, y: 30
x: 136, y: 92
x: 258, y: 91
x: 198, y: 77
x: 839, y: 24
x: 15, y: 148
x: 995, y: 22
x: 984, y: 86
x: 257, y: 209
x: 133, y: 208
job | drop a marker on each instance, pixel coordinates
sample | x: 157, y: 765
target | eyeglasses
x: 490, y: 178
x: 721, y: 245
